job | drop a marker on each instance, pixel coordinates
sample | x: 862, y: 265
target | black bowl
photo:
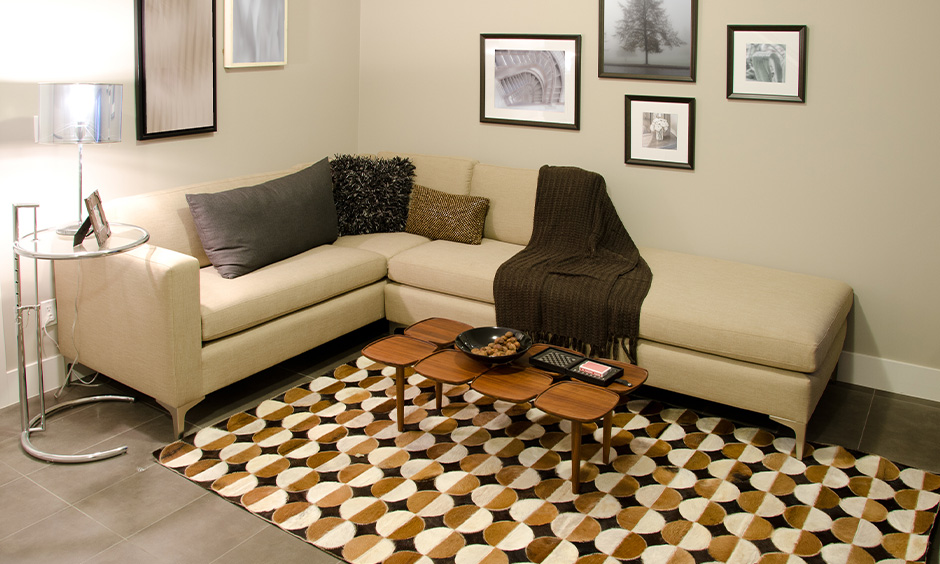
x: 481, y: 336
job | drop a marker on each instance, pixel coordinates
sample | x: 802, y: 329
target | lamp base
x: 68, y: 230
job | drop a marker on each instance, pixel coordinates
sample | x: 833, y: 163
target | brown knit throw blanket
x: 580, y: 281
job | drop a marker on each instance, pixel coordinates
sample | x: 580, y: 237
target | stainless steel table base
x: 68, y: 458
x: 48, y: 245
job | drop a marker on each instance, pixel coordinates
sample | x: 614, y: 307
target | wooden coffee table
x: 449, y: 366
x: 512, y: 383
x: 437, y: 330
x: 399, y: 352
x: 579, y: 403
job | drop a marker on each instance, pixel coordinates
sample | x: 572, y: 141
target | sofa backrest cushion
x: 511, y: 192
x: 165, y: 213
x: 447, y: 174
x: 250, y: 227
x: 452, y: 217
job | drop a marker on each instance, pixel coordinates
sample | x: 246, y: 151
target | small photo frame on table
x: 531, y: 80
x: 767, y: 62
x: 255, y: 33
x: 660, y: 131
x: 98, y: 220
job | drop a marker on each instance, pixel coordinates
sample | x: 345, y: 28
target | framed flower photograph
x: 647, y: 39
x: 660, y: 131
x: 531, y: 80
x: 767, y: 62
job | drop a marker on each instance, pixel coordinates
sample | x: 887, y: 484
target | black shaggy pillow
x: 371, y: 194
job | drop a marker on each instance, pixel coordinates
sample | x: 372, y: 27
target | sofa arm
x: 135, y: 317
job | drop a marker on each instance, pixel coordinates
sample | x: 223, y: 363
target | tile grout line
x: 861, y: 435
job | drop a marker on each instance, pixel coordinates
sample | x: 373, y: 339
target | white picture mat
x: 790, y: 39
x: 489, y: 68
x: 270, y: 26
x: 637, y: 151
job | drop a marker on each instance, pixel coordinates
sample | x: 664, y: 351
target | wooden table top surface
x: 398, y: 350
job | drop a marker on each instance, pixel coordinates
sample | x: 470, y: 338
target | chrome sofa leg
x: 178, y: 414
x: 799, y: 429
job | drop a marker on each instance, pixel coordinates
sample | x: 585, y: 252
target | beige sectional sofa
x: 161, y: 320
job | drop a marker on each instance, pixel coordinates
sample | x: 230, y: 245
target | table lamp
x: 79, y: 114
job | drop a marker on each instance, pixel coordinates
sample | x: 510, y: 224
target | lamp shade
x: 80, y: 113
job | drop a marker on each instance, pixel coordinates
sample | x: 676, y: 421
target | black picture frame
x: 659, y: 131
x: 767, y: 62
x: 99, y: 222
x: 671, y: 62
x: 176, y: 68
x: 551, y: 60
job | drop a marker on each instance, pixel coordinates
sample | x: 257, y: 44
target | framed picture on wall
x: 255, y: 33
x: 767, y: 62
x: 660, y: 131
x: 531, y: 80
x: 175, y: 68
x: 648, y: 39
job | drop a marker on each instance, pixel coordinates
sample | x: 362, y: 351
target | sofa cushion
x: 447, y: 174
x: 386, y: 244
x: 232, y: 305
x: 452, y: 217
x: 246, y: 228
x: 371, y: 194
x: 744, y: 312
x: 166, y: 216
x: 511, y: 192
x: 452, y: 268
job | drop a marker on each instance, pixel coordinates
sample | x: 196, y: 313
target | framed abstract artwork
x: 648, y: 39
x: 255, y: 33
x: 660, y: 131
x: 531, y: 80
x: 175, y: 68
x: 767, y: 62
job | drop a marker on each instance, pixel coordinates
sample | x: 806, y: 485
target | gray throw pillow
x: 246, y: 228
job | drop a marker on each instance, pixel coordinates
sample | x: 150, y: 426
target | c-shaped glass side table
x: 48, y: 245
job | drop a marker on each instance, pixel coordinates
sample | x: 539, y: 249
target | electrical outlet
x: 47, y: 312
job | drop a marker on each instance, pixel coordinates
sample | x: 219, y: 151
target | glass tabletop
x: 49, y: 245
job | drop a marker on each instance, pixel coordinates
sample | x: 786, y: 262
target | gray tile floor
x: 129, y: 509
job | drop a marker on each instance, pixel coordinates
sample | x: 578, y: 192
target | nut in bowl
x: 493, y: 345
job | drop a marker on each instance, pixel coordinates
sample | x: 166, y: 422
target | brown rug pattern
x: 487, y: 482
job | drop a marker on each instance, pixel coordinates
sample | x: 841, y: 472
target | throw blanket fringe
x: 580, y: 282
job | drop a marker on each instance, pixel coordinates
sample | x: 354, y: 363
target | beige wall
x: 843, y: 186
x: 268, y: 118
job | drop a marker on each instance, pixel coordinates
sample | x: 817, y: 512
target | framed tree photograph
x: 767, y: 62
x: 531, y: 80
x: 175, y: 68
x: 648, y: 39
x: 660, y: 131
x: 255, y: 33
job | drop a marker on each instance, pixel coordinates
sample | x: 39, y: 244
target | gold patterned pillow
x: 452, y: 217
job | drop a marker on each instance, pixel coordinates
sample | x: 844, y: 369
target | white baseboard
x: 53, y: 374
x: 889, y: 375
